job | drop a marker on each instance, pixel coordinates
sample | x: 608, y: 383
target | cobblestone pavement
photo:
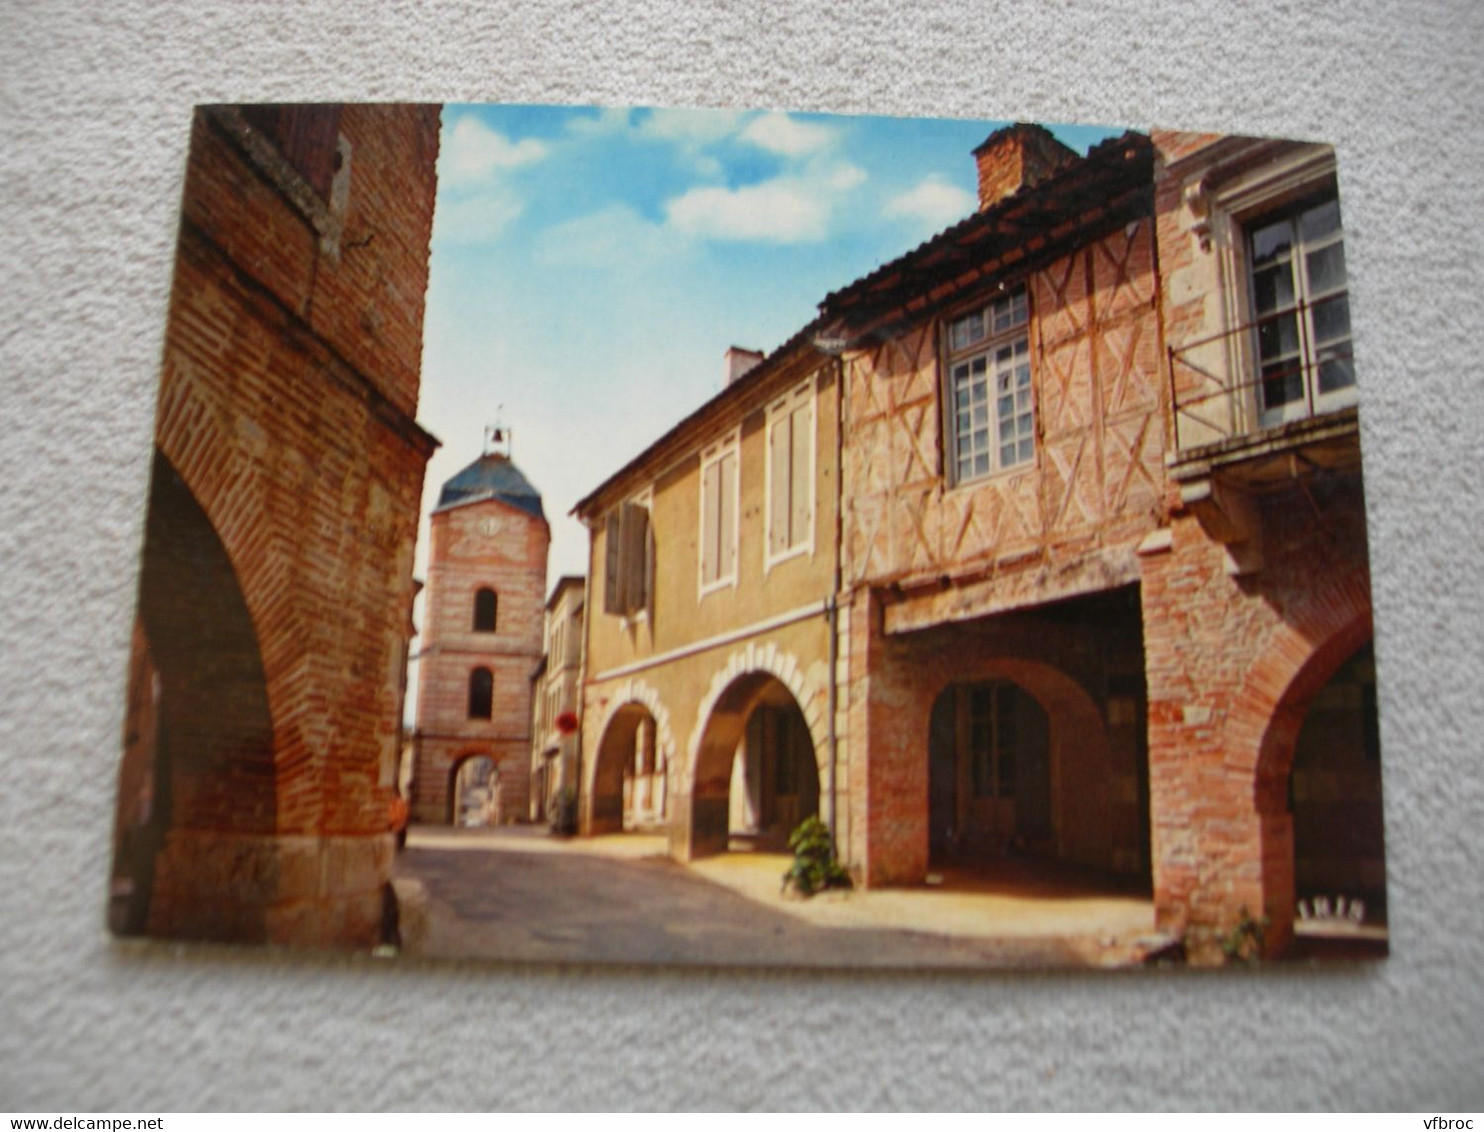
x: 517, y: 895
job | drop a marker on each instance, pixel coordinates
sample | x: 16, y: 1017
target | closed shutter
x: 780, y: 448
x: 800, y: 489
x: 634, y: 570
x: 612, y: 547
x: 710, y: 521
x: 727, y: 544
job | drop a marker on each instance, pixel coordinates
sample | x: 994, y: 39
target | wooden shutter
x: 801, y: 490
x: 635, y: 550
x: 780, y: 447
x: 727, y: 543
x: 612, y: 547
x: 710, y: 521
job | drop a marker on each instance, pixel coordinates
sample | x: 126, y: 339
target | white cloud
x: 615, y: 237
x: 689, y: 128
x: 934, y: 202
x: 845, y: 176
x: 475, y: 219
x: 608, y: 120
x: 472, y: 151
x: 783, y: 211
x: 779, y: 133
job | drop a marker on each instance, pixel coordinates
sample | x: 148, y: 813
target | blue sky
x: 591, y: 266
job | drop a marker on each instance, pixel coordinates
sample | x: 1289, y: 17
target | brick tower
x: 481, y: 643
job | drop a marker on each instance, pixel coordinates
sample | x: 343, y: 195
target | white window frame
x: 729, y: 445
x: 1238, y: 205
x: 1312, y: 401
x: 985, y: 344
x: 785, y: 407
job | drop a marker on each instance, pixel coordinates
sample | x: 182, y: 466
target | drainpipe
x: 832, y: 608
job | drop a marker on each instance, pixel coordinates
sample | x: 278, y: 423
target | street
x: 515, y: 894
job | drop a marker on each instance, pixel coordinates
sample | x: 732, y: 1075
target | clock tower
x: 481, y: 642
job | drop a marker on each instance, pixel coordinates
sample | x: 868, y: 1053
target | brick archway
x: 1264, y: 726
x: 214, y: 781
x: 457, y: 764
x: 602, y: 798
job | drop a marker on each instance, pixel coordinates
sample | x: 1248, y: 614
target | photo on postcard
x: 758, y: 538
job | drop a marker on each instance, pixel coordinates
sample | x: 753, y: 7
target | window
x: 991, y: 414
x: 481, y: 694
x: 1300, y: 311
x: 485, y: 606
x: 791, y: 474
x: 719, y: 488
x: 628, y: 558
x: 993, y: 710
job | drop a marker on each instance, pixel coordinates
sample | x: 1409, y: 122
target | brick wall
x: 289, y: 376
x: 1232, y: 666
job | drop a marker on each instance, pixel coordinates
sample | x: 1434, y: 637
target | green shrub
x: 564, y: 812
x: 814, y: 867
x: 1247, y: 941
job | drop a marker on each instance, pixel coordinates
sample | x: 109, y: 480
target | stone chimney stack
x: 1018, y: 157
x: 741, y: 362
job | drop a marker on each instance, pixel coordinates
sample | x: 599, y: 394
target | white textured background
x: 94, y: 106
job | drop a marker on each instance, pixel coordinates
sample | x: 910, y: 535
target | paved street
x: 516, y: 894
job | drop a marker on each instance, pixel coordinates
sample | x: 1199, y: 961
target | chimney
x: 1018, y: 157
x: 741, y: 362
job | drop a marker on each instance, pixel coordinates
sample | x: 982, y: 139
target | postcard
x: 756, y: 538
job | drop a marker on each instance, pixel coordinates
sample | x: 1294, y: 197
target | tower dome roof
x: 492, y: 476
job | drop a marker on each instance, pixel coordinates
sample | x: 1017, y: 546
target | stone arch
x: 631, y: 704
x: 1078, y: 745
x: 700, y: 823
x: 768, y: 660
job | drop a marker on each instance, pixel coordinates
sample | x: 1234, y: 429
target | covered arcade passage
x: 198, y: 780
x: 629, y: 783
x: 756, y: 776
x: 1334, y: 794
x: 1012, y: 744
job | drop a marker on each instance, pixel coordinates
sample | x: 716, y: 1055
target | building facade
x: 267, y: 672
x: 1264, y: 748
x: 556, y: 692
x: 706, y: 706
x: 1077, y: 574
x: 482, y: 641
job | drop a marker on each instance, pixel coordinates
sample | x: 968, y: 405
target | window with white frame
x: 991, y: 409
x: 790, y: 519
x: 719, y: 501
x: 1300, y: 310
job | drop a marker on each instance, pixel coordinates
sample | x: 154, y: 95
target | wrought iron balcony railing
x: 1285, y: 366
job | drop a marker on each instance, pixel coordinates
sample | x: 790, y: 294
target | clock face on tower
x: 490, y: 526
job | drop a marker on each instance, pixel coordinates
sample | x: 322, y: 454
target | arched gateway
x: 754, y: 770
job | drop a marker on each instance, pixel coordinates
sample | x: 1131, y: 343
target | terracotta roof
x: 1113, y: 183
